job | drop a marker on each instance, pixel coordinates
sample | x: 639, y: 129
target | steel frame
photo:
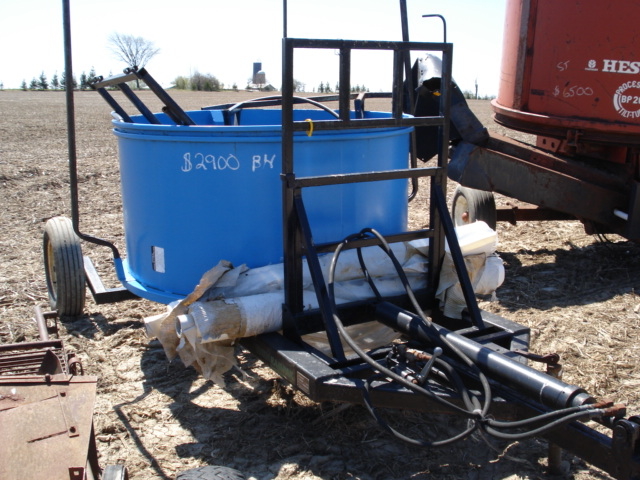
x: 297, y: 233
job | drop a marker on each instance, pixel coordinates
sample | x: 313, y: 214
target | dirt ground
x: 574, y: 291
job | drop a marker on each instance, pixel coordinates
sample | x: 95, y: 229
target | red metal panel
x: 581, y: 61
x: 514, y: 55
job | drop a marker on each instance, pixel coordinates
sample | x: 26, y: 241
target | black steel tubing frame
x: 297, y: 235
x: 171, y: 108
x: 71, y: 134
x: 119, y: 293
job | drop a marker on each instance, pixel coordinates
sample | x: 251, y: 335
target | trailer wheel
x: 211, y: 472
x: 470, y: 205
x: 64, y: 267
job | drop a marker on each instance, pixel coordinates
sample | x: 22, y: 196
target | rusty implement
x: 568, y: 84
x: 46, y: 414
x: 548, y: 180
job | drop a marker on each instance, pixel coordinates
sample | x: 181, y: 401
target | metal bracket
x: 624, y: 445
x: 171, y: 108
x: 69, y: 420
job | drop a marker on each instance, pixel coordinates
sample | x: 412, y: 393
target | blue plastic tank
x: 195, y: 195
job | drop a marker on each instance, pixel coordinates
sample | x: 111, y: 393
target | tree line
x: 59, y: 82
x: 196, y: 82
x: 137, y: 51
x: 469, y: 95
x: 326, y: 88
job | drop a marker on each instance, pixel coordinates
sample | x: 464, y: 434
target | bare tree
x: 134, y: 51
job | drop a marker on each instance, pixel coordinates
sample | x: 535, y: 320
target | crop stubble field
x: 576, y: 292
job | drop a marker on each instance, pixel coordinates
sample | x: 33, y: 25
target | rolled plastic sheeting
x: 209, y: 328
x: 232, y: 303
x: 478, y: 243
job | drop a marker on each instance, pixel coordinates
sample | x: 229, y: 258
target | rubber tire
x: 211, y: 472
x: 114, y: 472
x: 477, y: 204
x: 64, y: 267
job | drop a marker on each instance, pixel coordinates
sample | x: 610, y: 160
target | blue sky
x: 225, y: 37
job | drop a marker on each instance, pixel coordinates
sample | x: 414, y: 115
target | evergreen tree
x: 55, y: 82
x: 43, y: 84
x: 63, y: 82
x: 83, y: 81
x: 92, y: 76
x: 23, y: 85
x: 34, y: 84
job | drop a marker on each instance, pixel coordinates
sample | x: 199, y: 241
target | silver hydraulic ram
x: 539, y: 386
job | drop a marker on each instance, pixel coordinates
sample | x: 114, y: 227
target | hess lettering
x: 620, y: 66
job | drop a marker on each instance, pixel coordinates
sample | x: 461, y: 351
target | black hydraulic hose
x: 555, y: 418
x: 547, y: 390
x: 373, y: 363
x: 278, y: 98
x: 418, y: 442
x: 385, y: 246
x: 474, y: 409
x: 451, y: 375
x: 594, y: 412
x: 391, y: 374
x: 367, y: 277
x: 540, y: 418
x: 427, y: 323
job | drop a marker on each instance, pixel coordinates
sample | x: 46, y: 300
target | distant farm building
x: 259, y: 79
